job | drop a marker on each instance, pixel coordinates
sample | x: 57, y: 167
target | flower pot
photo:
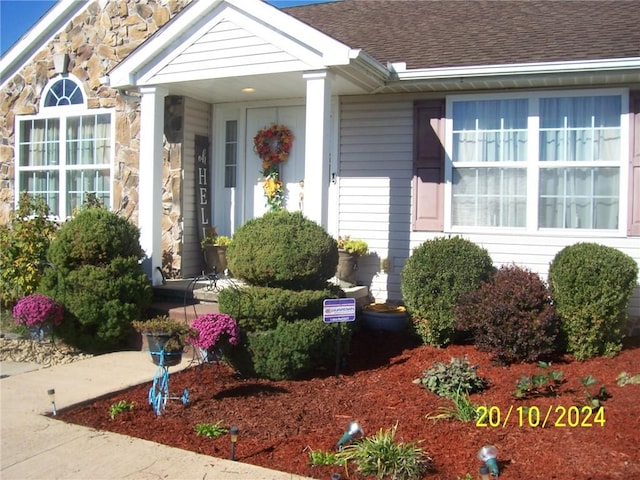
x: 40, y: 332
x: 211, y: 354
x: 156, y: 342
x: 347, y: 266
x: 384, y: 317
x: 216, y: 258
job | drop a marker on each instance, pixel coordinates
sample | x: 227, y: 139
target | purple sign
x: 339, y: 310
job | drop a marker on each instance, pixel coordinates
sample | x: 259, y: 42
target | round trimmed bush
x: 289, y: 350
x: 434, y: 277
x: 511, y: 316
x: 285, y: 250
x: 592, y: 285
x: 262, y: 308
x: 98, y: 279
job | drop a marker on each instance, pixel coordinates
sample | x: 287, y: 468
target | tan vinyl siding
x: 197, y: 121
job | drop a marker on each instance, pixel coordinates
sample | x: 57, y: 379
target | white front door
x: 291, y: 171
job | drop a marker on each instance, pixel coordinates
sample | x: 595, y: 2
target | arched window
x: 65, y: 152
x: 64, y: 92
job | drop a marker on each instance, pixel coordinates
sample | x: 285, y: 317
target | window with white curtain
x: 64, y: 153
x: 545, y: 161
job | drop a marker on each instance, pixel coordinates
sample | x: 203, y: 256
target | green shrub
x: 592, y: 285
x: 452, y: 379
x: 261, y: 308
x: 288, y: 350
x: 94, y: 236
x: 434, y: 277
x: 511, y: 316
x: 98, y: 279
x: 283, y: 249
x: 23, y: 248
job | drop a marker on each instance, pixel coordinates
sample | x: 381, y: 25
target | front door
x: 291, y: 171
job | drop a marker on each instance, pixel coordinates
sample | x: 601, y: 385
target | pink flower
x: 37, y: 309
x: 214, y: 328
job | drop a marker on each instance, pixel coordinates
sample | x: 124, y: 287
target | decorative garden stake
x: 353, y: 431
x: 52, y: 398
x: 233, y: 433
x: 489, y: 455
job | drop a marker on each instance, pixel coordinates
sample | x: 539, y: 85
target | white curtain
x: 584, y: 131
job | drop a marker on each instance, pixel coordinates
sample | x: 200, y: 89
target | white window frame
x: 63, y: 113
x: 533, y: 166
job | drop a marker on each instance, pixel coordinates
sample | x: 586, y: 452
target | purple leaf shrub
x: 37, y: 309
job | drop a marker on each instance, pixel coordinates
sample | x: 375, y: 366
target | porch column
x: 317, y: 145
x: 150, y: 179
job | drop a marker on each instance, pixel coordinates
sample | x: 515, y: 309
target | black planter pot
x: 156, y: 342
x: 347, y: 266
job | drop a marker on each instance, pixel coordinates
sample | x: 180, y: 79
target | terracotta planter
x: 156, y: 342
x: 347, y: 267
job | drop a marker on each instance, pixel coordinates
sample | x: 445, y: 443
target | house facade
x: 513, y: 124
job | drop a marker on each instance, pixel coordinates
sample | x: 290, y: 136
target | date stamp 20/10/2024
x: 557, y: 416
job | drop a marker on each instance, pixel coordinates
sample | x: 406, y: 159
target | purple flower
x: 213, y: 328
x: 37, y: 309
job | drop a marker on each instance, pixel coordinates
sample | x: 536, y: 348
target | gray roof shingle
x: 446, y: 33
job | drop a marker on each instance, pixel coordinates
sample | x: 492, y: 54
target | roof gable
x: 225, y: 39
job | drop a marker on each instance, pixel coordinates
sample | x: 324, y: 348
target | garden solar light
x: 489, y: 455
x: 353, y: 431
x: 52, y: 398
x: 233, y: 433
x: 484, y: 472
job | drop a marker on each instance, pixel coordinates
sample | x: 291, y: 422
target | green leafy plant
x: 180, y: 332
x: 594, y: 400
x: 468, y: 476
x: 210, y: 430
x: 452, y: 379
x: 354, y: 246
x: 319, y: 457
x: 542, y: 384
x: 119, y: 407
x: 211, y: 237
x: 463, y: 409
x: 624, y: 378
x: 592, y: 285
x: 23, y: 247
x: 434, y: 277
x: 381, y: 456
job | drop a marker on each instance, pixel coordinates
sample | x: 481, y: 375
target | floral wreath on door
x: 273, y: 144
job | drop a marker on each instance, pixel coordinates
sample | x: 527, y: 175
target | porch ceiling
x: 266, y: 87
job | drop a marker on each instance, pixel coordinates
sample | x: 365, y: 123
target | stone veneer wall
x: 99, y: 38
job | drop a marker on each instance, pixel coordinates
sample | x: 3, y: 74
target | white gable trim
x: 228, y: 38
x: 581, y: 66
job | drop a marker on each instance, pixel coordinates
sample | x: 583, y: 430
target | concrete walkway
x: 35, y: 446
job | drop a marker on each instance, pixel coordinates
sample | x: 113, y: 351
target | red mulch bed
x: 280, y: 422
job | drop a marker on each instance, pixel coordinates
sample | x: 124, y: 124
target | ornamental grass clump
x: 214, y: 329
x: 37, y: 309
x: 382, y: 457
